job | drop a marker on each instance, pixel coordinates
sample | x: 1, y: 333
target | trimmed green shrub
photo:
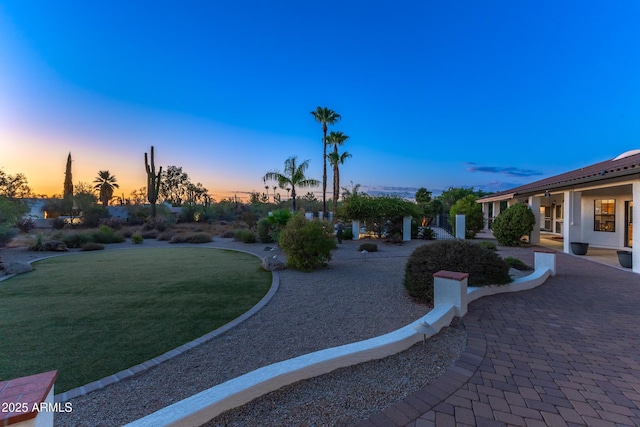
x: 517, y: 264
x: 92, y: 246
x: 106, y: 235
x: 474, y: 218
x: 489, y: 245
x: 484, y: 266
x: 369, y: 247
x: 137, y: 239
x: 307, y: 243
x: 513, y: 223
x: 191, y: 238
x: 245, y: 236
x: 264, y: 231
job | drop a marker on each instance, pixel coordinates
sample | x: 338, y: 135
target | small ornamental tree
x: 513, y: 223
x: 307, y: 243
x: 474, y: 219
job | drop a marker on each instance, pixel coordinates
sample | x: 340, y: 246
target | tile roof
x: 623, y: 165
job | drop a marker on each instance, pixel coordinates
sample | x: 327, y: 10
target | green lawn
x: 90, y: 315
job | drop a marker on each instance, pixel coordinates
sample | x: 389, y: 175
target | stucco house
x: 593, y: 204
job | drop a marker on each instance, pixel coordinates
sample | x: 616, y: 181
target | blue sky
x: 434, y: 94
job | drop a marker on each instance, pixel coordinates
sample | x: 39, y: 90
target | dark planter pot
x: 579, y: 248
x: 625, y: 259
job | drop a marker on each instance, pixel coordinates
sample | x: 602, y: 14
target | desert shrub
x: 474, y: 218
x: 245, y: 236
x: 278, y: 220
x: 191, y: 238
x: 159, y: 223
x: 76, y: 240
x: 347, y: 234
x: 516, y: 263
x: 137, y: 239
x: 26, y: 224
x: 308, y: 244
x: 6, y: 234
x: 58, y: 223
x: 166, y: 235
x: 92, y: 216
x: 149, y: 234
x: 229, y: 234
x: 484, y: 266
x: 369, y: 247
x: 111, y: 222
x: 106, y: 235
x: 426, y: 233
x: 92, y: 246
x: 191, y: 212
x: 513, y: 223
x: 489, y: 245
x: 39, y: 244
x: 264, y: 231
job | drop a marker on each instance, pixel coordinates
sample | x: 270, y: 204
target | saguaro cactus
x: 153, y: 181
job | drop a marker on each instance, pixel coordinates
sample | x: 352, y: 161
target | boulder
x: 55, y: 246
x: 272, y: 263
x: 13, y: 267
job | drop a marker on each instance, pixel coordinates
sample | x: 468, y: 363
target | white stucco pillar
x: 355, y: 229
x: 635, y: 212
x: 496, y: 209
x: 534, y: 204
x: 406, y: 229
x: 485, y: 215
x: 572, y: 219
x: 461, y: 227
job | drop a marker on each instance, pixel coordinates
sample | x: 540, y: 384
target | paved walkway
x: 564, y: 354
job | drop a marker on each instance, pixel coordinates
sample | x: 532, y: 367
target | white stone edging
x: 206, y: 405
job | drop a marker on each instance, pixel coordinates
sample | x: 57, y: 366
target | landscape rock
x: 56, y: 246
x: 272, y: 263
x: 14, y: 267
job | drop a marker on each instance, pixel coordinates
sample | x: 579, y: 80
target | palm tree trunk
x: 293, y: 196
x: 324, y: 168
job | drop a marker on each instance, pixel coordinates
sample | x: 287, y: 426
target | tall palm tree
x: 336, y: 159
x: 292, y: 177
x: 336, y: 139
x: 325, y: 116
x: 106, y: 183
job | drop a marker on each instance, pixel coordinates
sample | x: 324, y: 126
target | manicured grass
x: 90, y: 315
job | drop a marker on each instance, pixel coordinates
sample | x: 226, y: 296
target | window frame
x: 604, y: 219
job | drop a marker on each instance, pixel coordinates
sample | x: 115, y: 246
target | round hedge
x: 484, y: 266
x: 509, y: 227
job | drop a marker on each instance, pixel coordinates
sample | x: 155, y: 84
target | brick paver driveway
x: 564, y: 354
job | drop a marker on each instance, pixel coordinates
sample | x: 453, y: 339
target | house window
x: 604, y: 215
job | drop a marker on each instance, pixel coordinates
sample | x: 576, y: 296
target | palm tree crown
x: 292, y: 177
x: 106, y: 183
x: 326, y: 117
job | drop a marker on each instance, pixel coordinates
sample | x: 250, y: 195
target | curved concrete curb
x: 137, y: 369
x: 206, y: 405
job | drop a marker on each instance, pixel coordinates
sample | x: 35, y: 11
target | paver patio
x: 564, y: 354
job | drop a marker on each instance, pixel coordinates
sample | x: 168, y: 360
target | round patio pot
x: 579, y: 248
x: 625, y: 259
